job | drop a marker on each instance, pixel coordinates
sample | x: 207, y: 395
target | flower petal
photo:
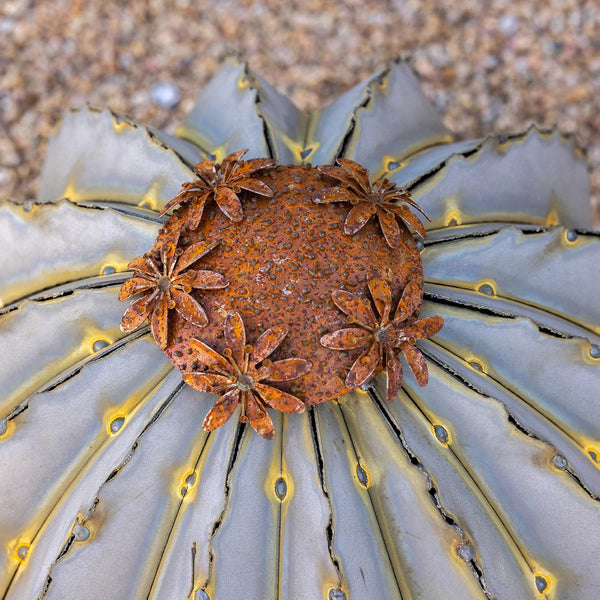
x: 411, y: 299
x: 160, y: 322
x: 346, y: 339
x: 382, y: 297
x: 137, y: 312
x: 204, y: 280
x: 285, y: 370
x: 279, y: 400
x: 229, y: 162
x: 334, y: 194
x: 393, y: 369
x: 222, y: 410
x: 209, y: 358
x: 189, y: 308
x: 235, y: 336
x: 167, y: 253
x: 411, y: 219
x: 358, y: 217
x: 360, y: 174
x: 417, y: 363
x: 134, y: 286
x: 210, y: 383
x: 143, y: 264
x: 364, y: 367
x: 268, y: 342
x: 424, y: 328
x: 196, y: 209
x: 259, y: 418
x: 206, y: 169
x: 193, y: 253
x: 255, y: 186
x: 229, y: 203
x: 247, y: 167
x: 355, y: 307
x: 344, y: 177
x: 389, y: 226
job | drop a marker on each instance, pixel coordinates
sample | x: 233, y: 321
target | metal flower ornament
x: 225, y: 369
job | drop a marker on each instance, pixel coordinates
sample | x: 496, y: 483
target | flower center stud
x: 164, y: 284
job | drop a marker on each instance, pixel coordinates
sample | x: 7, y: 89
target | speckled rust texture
x: 282, y: 261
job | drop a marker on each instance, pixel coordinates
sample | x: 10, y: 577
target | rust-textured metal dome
x: 483, y: 484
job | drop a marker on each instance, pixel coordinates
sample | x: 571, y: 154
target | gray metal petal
x: 65, y: 429
x: 513, y: 476
x: 39, y: 243
x: 225, y: 117
x: 536, y: 177
x: 505, y: 572
x: 54, y: 336
x: 549, y: 384
x: 96, y: 155
x: 420, y: 543
x: 384, y: 120
x: 135, y: 508
x: 551, y: 272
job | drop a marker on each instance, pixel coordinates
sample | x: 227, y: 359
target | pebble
x: 488, y: 65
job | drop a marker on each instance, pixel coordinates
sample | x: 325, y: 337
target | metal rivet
x: 280, y: 488
x: 116, y: 424
x: 441, y: 433
x: 3, y: 427
x: 28, y: 205
x: 22, y: 552
x: 560, y: 462
x: 81, y: 533
x: 365, y: 387
x: 201, y: 595
x: 362, y: 475
x: 108, y: 270
x: 452, y: 222
x: 593, y: 455
x: 146, y: 204
x: 304, y: 153
x: 572, y: 235
x: 541, y: 583
x: 486, y: 289
x: 466, y: 552
x: 476, y: 365
x: 420, y: 245
x: 183, y: 491
x: 190, y: 480
x: 595, y: 351
x: 99, y: 344
x: 336, y: 594
x: 392, y: 165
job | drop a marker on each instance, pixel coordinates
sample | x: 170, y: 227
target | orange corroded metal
x: 380, y: 334
x: 239, y: 375
x: 166, y: 282
x: 283, y: 254
x: 382, y: 198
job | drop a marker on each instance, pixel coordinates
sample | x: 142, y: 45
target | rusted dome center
x: 282, y: 261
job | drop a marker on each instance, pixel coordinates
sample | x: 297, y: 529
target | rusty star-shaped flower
x: 381, y: 198
x: 166, y: 284
x: 381, y: 335
x: 238, y: 376
x: 223, y: 182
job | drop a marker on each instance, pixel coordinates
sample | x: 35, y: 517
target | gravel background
x: 494, y: 65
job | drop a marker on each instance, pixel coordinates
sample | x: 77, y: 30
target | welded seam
x: 240, y: 435
x: 74, y: 370
x: 510, y: 417
x: 376, y: 515
x: 62, y: 290
x: 175, y: 520
x: 320, y: 464
x: 114, y: 473
x: 68, y: 485
x: 486, y: 309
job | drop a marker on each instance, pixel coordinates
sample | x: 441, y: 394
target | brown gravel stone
x: 487, y: 65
